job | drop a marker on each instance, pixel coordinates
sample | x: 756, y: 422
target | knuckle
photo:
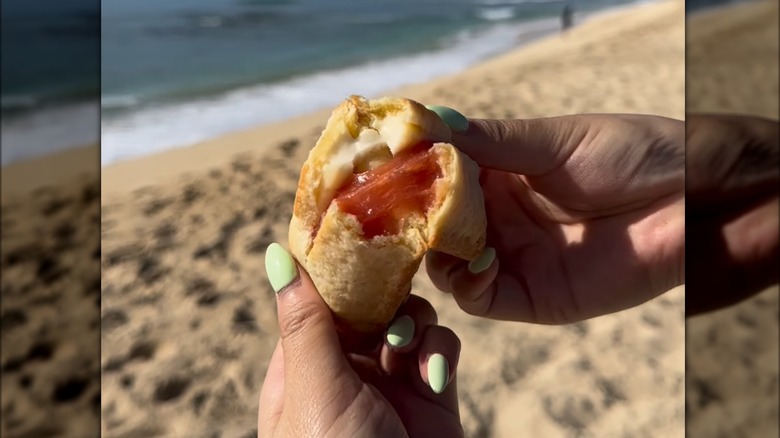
x: 453, y: 286
x: 300, y: 319
x: 420, y: 305
x: 440, y: 279
x: 445, y: 340
x: 450, y: 337
x: 469, y: 307
x: 499, y: 131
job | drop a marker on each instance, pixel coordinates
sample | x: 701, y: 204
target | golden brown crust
x: 365, y: 281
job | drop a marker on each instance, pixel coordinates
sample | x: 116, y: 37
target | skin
x: 586, y: 214
x: 732, y: 198
x: 587, y: 217
x: 314, y: 386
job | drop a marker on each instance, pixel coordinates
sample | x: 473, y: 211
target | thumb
x: 312, y: 352
x: 528, y: 147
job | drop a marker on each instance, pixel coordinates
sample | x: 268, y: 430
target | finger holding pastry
x: 379, y: 189
x: 315, y: 387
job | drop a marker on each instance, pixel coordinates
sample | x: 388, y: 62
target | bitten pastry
x: 381, y: 187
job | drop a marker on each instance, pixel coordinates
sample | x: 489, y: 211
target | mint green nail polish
x: 401, y: 332
x: 455, y: 120
x: 484, y: 261
x: 438, y: 372
x: 280, y: 267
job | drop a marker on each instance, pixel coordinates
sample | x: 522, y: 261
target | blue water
x: 176, y: 72
x: 50, y: 52
x: 181, y: 73
x: 155, y: 50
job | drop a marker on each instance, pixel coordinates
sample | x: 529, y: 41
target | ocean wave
x: 118, y: 101
x: 377, y: 18
x: 193, y: 23
x: 496, y: 14
x: 161, y: 127
x: 265, y: 2
x: 498, y: 3
x: 49, y: 130
x: 210, y: 21
x: 18, y: 102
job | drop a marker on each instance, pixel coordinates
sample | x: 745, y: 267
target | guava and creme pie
x: 380, y: 188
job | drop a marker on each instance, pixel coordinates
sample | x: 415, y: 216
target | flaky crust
x: 365, y: 281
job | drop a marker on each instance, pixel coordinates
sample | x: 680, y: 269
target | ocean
x: 177, y: 72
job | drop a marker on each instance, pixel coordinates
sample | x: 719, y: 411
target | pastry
x: 382, y: 186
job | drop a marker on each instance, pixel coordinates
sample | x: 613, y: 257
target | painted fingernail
x: 438, y: 372
x: 280, y: 267
x: 455, y: 120
x: 401, y: 332
x: 484, y: 261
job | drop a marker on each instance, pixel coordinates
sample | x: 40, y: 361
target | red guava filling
x: 383, y: 197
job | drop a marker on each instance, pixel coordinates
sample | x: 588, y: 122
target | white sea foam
x: 496, y: 14
x: 49, y: 130
x: 516, y: 2
x: 145, y: 129
x: 118, y: 101
x: 18, y: 102
x: 157, y: 128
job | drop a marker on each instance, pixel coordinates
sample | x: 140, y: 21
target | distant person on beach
x: 567, y: 15
x: 586, y: 217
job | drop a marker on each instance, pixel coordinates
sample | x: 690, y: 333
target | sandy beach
x: 51, y: 296
x: 188, y: 318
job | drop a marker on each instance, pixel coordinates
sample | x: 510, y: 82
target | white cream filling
x: 395, y: 131
x: 342, y: 163
x: 391, y: 132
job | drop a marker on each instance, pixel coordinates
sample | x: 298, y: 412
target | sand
x: 188, y: 319
x: 51, y: 296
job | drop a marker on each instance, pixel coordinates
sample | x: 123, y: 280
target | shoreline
x: 27, y: 161
x: 249, y: 107
x: 129, y: 175
x: 162, y: 166
x: 265, y: 104
x: 55, y: 169
x: 52, y: 129
x: 181, y: 295
x: 183, y: 236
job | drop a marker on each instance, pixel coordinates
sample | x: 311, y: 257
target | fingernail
x: 484, y: 261
x: 401, y: 332
x: 438, y: 372
x: 455, y: 120
x: 280, y: 267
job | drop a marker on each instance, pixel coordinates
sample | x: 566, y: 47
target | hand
x: 732, y: 202
x: 585, y: 216
x: 313, y: 388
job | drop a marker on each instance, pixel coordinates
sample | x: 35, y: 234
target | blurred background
x: 210, y: 109
x: 50, y: 233
x: 732, y: 354
x: 180, y: 72
x: 198, y: 114
x: 50, y: 76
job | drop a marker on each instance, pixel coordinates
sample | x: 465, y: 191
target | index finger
x: 528, y: 147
